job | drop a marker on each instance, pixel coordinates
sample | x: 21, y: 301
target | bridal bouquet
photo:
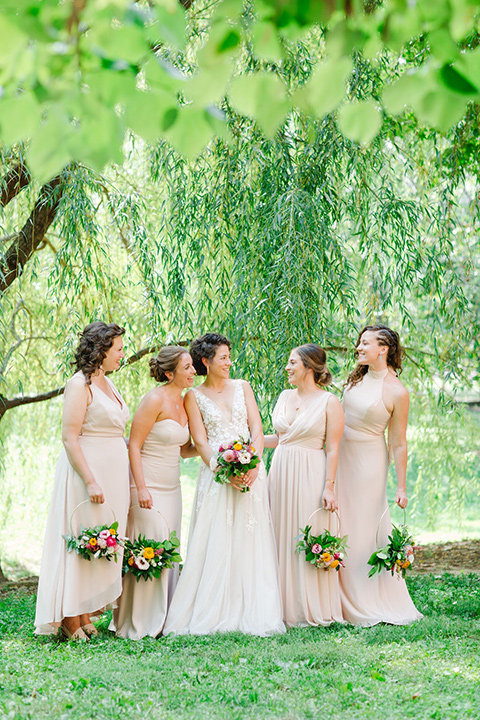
x: 397, y: 556
x: 325, y: 551
x: 234, y: 460
x: 147, y: 558
x: 101, y: 541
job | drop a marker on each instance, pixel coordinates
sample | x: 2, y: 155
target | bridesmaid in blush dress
x: 374, y: 399
x: 158, y: 437
x: 309, y: 425
x: 93, y: 465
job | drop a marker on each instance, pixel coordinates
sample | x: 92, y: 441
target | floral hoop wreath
x: 325, y: 551
x: 398, y: 555
x: 101, y: 541
x: 145, y: 557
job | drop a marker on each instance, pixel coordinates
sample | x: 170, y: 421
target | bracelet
x: 213, y: 463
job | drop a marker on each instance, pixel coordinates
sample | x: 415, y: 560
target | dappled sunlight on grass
x: 430, y: 669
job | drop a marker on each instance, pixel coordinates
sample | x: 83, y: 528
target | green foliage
x: 396, y: 556
x: 76, y: 78
x: 427, y: 670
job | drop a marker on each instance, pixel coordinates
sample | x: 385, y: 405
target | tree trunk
x: 3, y: 579
x: 26, y: 242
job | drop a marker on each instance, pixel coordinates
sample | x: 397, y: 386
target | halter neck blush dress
x: 230, y: 578
x: 143, y: 606
x: 296, y: 481
x: 362, y: 497
x: 69, y: 585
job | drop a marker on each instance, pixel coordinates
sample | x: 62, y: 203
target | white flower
x: 142, y: 563
x: 102, y: 543
x: 244, y: 457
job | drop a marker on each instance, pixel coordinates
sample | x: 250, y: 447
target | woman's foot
x: 90, y: 630
x: 77, y: 635
x: 72, y: 630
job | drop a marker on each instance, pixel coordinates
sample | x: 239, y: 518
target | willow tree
x: 237, y: 167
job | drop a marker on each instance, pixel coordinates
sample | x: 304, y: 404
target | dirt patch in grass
x: 454, y: 557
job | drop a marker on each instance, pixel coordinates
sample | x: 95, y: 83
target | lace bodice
x: 220, y: 429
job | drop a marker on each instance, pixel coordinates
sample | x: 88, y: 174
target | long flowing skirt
x: 230, y: 577
x: 296, y: 479
x: 69, y: 585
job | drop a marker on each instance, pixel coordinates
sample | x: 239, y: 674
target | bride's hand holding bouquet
x: 236, y: 464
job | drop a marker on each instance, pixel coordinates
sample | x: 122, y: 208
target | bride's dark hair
x: 385, y: 336
x: 206, y: 347
x: 96, y: 339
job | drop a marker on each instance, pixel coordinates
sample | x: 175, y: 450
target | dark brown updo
x: 315, y: 359
x: 385, y: 336
x: 166, y: 361
x: 206, y: 347
x: 95, y: 341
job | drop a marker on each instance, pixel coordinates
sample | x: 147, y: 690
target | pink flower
x: 221, y: 448
x: 111, y: 541
x: 104, y: 534
x: 229, y: 456
x: 158, y: 551
x: 316, y: 549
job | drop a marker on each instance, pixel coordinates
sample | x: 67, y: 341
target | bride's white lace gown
x: 230, y: 577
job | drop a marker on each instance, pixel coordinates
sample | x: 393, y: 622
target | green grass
x: 428, y: 670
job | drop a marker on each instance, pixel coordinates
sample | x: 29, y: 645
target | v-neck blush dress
x: 143, y: 606
x: 362, y: 497
x: 296, y: 480
x: 70, y: 585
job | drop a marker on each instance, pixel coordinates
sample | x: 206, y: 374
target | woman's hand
x: 250, y: 477
x: 95, y: 493
x: 329, y: 501
x: 145, y: 499
x: 401, y: 498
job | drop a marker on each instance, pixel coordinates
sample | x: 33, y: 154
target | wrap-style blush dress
x: 296, y: 480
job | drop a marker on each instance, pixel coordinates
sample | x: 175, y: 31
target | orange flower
x: 149, y: 553
x: 237, y: 446
x: 405, y: 564
x: 130, y: 561
x: 113, y: 531
x: 93, y: 542
x: 334, y: 564
x: 326, y: 557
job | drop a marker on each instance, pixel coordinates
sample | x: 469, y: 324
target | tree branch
x: 14, y: 181
x: 27, y: 241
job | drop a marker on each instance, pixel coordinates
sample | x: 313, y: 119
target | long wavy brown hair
x: 385, y: 336
x: 95, y: 341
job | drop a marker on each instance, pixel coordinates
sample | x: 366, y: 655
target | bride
x: 230, y: 577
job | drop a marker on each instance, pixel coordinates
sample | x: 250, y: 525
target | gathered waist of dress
x: 164, y: 459
x: 101, y: 435
x: 312, y: 446
x: 353, y: 434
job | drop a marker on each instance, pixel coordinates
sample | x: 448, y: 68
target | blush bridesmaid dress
x: 143, y: 606
x: 362, y: 497
x: 296, y: 480
x: 69, y: 585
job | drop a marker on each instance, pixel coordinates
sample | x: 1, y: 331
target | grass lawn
x: 428, y: 670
